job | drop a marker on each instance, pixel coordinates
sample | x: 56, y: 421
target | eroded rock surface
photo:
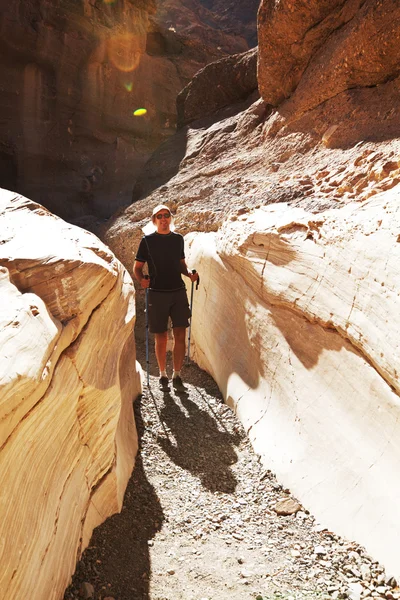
x: 68, y: 376
x: 334, y: 47
x: 289, y: 35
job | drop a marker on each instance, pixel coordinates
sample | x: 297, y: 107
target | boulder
x: 219, y: 84
x: 68, y: 377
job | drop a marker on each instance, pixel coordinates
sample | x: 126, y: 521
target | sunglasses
x: 163, y: 216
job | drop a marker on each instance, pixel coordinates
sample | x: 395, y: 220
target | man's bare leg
x: 160, y: 340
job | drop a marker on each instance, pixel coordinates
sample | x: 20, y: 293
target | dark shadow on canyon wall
x: 123, y: 539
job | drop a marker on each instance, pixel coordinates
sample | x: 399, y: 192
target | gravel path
x: 199, y: 520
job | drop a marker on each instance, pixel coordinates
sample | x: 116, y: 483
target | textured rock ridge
x: 67, y: 380
x: 334, y: 47
x: 309, y: 358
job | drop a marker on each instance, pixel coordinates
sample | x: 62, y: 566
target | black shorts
x: 163, y: 305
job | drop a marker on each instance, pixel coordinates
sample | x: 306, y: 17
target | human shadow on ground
x: 197, y: 444
x: 117, y: 562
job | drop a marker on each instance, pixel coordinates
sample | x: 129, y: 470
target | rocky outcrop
x: 67, y: 380
x: 219, y: 84
x: 290, y: 36
x: 297, y: 320
x: 73, y: 73
x: 323, y: 49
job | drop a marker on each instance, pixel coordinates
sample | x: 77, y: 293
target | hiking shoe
x: 178, y: 384
x: 164, y: 385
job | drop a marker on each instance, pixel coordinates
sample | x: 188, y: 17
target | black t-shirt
x: 163, y: 254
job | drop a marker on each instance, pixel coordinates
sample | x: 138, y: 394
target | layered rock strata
x: 68, y: 377
x: 297, y: 321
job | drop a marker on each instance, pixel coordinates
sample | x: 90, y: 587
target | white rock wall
x: 68, y: 377
x: 298, y: 320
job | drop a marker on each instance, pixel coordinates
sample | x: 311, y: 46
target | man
x: 163, y: 251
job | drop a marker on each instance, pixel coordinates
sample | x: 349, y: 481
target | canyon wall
x: 294, y: 200
x: 68, y: 377
x: 74, y: 73
x: 297, y: 319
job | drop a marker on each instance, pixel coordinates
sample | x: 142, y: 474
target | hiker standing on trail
x: 163, y: 251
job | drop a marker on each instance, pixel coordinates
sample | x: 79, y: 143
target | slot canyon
x: 271, y: 132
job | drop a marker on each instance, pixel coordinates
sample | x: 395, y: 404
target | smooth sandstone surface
x: 68, y: 376
x: 297, y: 318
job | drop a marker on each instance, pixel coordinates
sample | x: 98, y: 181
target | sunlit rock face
x: 68, y: 376
x: 297, y: 319
x: 318, y: 51
x: 73, y: 74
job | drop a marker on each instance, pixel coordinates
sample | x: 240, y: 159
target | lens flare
x: 128, y: 86
x: 139, y: 112
x: 125, y: 50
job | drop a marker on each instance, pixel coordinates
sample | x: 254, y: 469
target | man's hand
x: 145, y: 282
x: 193, y: 276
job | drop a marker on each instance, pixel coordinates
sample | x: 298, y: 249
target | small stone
x: 171, y: 572
x: 287, y: 506
x: 365, y: 572
x: 301, y: 515
x: 354, y: 556
x: 380, y: 579
x: 86, y: 591
x: 246, y: 574
x: 355, y: 591
x: 318, y: 528
x: 320, y: 550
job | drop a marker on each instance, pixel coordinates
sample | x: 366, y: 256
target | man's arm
x: 138, y: 273
x: 185, y: 271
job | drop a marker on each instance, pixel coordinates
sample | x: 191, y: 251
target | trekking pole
x: 147, y: 334
x: 191, y: 316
